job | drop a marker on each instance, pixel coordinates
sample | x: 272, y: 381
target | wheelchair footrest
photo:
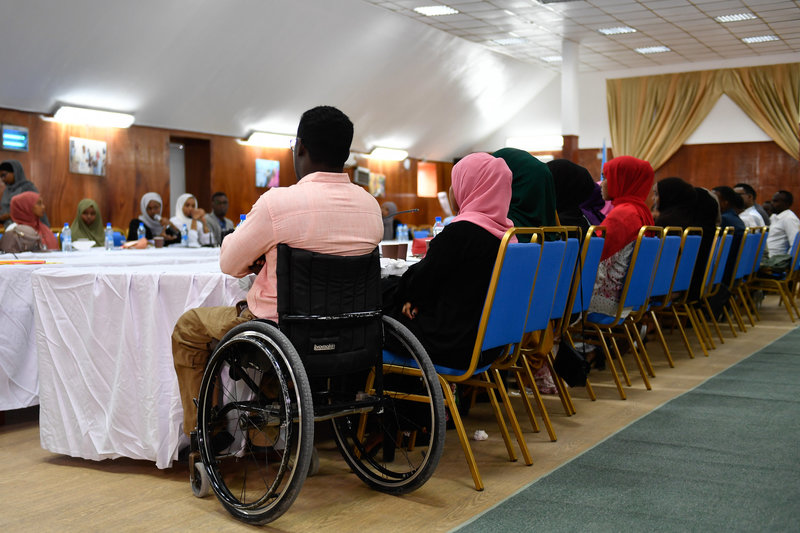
x: 367, y: 404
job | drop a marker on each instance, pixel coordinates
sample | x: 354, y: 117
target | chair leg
x: 613, y: 370
x: 746, y: 303
x: 713, y: 320
x: 590, y: 391
x: 501, y: 423
x: 643, y: 355
x: 705, y: 329
x: 635, y: 352
x: 525, y: 400
x: 512, y: 417
x: 728, y: 320
x: 684, y: 338
x: 450, y: 401
x: 561, y: 386
x: 621, y: 362
x: 662, y: 339
x: 538, y: 399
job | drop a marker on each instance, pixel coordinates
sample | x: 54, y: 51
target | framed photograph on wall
x: 87, y: 156
x: 268, y: 173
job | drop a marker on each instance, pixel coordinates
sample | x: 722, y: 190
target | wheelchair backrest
x: 329, y: 308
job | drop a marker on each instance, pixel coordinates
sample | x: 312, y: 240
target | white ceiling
x: 687, y: 28
x: 234, y: 66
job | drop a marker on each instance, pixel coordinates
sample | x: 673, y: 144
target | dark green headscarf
x: 533, y: 193
x: 80, y: 230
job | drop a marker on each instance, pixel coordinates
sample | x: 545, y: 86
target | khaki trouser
x: 194, y: 334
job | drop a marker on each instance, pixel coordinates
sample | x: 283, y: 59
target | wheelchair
x: 265, y: 386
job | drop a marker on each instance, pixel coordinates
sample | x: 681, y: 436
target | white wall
x: 541, y: 116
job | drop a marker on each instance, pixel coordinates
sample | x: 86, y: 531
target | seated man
x: 751, y: 216
x: 784, y: 224
x: 216, y: 221
x: 324, y: 212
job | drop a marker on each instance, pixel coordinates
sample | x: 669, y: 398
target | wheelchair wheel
x: 255, y: 422
x: 397, y: 448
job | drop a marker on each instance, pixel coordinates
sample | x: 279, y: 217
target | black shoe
x: 220, y: 441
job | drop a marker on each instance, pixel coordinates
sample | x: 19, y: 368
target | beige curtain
x: 651, y: 117
x: 770, y: 96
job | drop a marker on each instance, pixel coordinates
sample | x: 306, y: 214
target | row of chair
x: 544, y: 284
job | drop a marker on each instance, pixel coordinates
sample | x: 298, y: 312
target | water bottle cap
x: 66, y: 225
x: 108, y: 224
x: 141, y: 224
x: 438, y: 219
x: 242, y: 217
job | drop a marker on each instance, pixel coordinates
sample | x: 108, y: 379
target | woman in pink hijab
x: 27, y: 209
x: 440, y: 299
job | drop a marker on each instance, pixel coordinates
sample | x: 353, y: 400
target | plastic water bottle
x: 402, y: 233
x: 109, y: 241
x: 66, y: 238
x: 241, y: 220
x: 185, y: 236
x: 141, y: 233
x: 438, y: 226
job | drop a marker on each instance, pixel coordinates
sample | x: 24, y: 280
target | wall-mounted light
x: 388, y: 154
x: 538, y: 143
x: 92, y: 117
x: 269, y: 140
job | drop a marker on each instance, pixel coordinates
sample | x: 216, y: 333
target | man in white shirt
x: 750, y: 216
x: 784, y: 224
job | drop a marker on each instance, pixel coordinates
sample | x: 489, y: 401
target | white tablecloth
x: 19, y: 383
x: 103, y: 338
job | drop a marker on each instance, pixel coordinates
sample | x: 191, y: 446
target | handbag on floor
x: 570, y: 365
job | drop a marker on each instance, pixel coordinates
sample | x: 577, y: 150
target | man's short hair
x: 217, y: 195
x: 747, y: 189
x: 326, y: 133
x: 730, y: 196
x: 787, y: 196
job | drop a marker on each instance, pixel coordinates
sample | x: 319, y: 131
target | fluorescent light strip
x: 617, y: 30
x: 551, y: 59
x: 508, y: 41
x: 435, y: 11
x: 653, y: 49
x: 268, y: 140
x: 388, y: 154
x: 735, y: 17
x: 92, y: 117
x: 760, y: 39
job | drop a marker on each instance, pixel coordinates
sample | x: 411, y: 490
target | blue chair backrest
x: 544, y: 288
x: 793, y: 252
x: 723, y: 258
x: 683, y: 272
x: 509, y: 305
x: 642, y: 265
x: 565, y: 278
x: 662, y: 279
x: 761, y: 247
x: 712, y: 260
x: 591, y: 262
x: 747, y: 255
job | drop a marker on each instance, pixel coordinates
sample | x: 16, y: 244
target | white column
x: 569, y: 87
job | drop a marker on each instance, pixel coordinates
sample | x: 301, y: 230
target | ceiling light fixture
x: 760, y: 39
x: 617, y: 30
x: 268, y: 140
x: 538, y: 143
x: 508, y: 12
x: 508, y: 41
x: 435, y: 11
x: 653, y: 49
x: 551, y: 59
x: 388, y: 154
x: 92, y: 117
x: 736, y: 17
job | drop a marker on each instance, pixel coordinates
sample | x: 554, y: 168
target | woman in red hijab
x: 628, y: 184
x: 440, y: 299
x: 27, y: 209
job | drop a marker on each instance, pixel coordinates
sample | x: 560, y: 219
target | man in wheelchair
x: 324, y: 212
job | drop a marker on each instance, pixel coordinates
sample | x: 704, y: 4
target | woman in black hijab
x: 573, y: 185
x: 674, y: 203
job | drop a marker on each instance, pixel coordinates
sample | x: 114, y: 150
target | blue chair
x: 502, y: 322
x: 749, y: 280
x: 781, y: 283
x: 722, y: 256
x: 634, y: 295
x: 679, y: 291
x: 743, y: 267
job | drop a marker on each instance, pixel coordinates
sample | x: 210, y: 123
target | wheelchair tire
x: 201, y: 487
x: 256, y: 390
x: 380, y: 447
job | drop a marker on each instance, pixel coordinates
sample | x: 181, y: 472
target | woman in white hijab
x: 151, y: 205
x: 187, y: 213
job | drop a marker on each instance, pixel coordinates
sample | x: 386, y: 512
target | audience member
x: 13, y: 176
x: 27, y: 213
x: 440, y: 299
x: 151, y: 206
x: 751, y: 216
x: 729, y: 204
x: 324, y: 212
x: 784, y: 224
x: 390, y: 221
x: 216, y: 221
x: 593, y: 206
x: 88, y: 224
x: 705, y: 215
x: 188, y: 214
x: 674, y: 202
x: 533, y: 194
x: 573, y: 185
x: 628, y: 183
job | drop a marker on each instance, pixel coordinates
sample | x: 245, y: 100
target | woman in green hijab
x: 533, y: 193
x: 88, y: 223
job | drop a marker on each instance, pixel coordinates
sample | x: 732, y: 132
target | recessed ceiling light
x: 507, y: 12
x: 736, y: 17
x: 652, y: 49
x: 508, y: 41
x: 435, y: 11
x: 760, y: 39
x: 617, y: 30
x: 551, y: 59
